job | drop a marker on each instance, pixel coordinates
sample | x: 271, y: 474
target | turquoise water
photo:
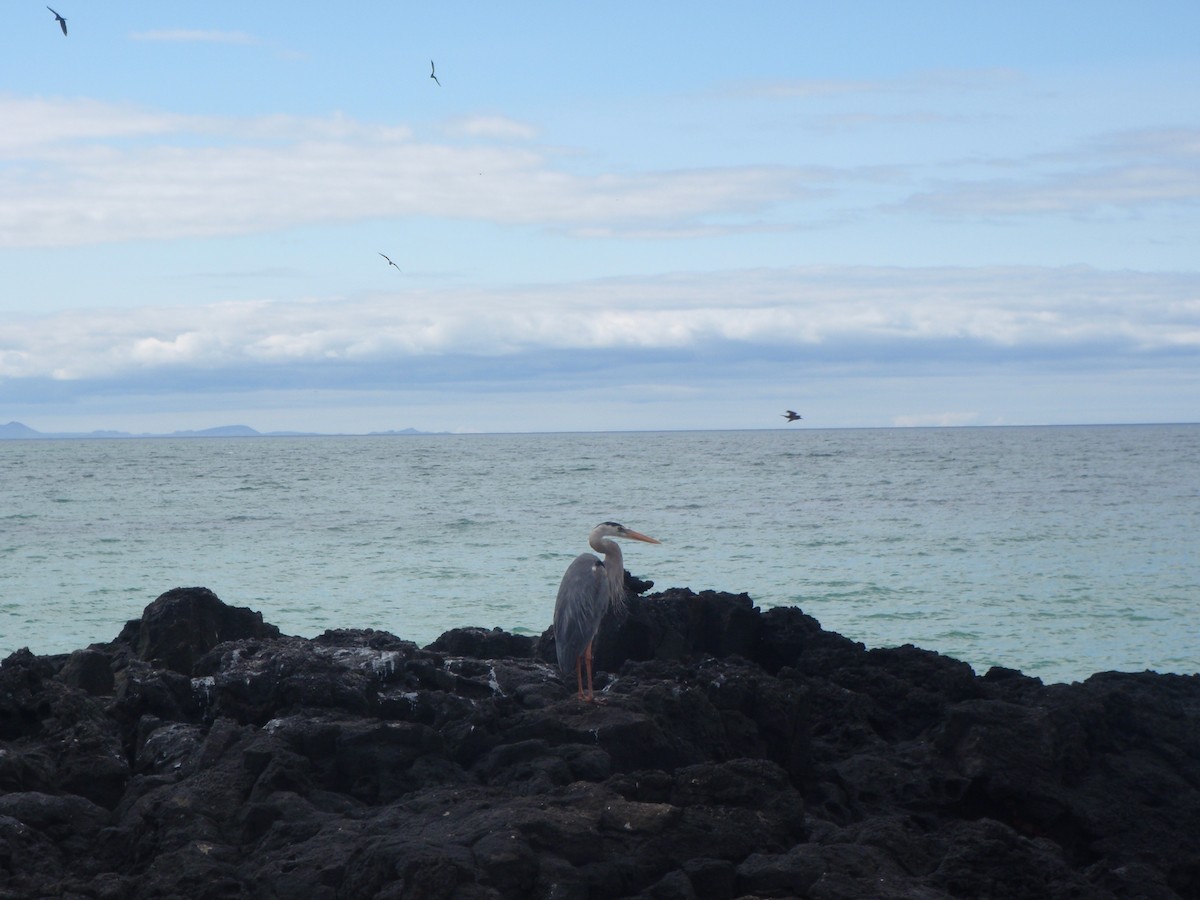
x: 1058, y: 551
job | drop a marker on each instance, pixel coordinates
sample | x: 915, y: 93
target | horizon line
x: 246, y: 431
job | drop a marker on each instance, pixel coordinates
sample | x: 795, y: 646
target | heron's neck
x: 614, y: 570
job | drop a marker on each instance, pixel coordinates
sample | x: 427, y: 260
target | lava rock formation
x: 737, y: 753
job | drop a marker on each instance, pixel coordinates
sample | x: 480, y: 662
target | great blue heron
x: 792, y: 416
x: 588, y: 588
x: 433, y: 73
x: 62, y: 23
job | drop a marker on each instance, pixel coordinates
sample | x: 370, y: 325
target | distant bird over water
x: 792, y: 416
x: 390, y: 263
x: 62, y: 23
x: 433, y: 73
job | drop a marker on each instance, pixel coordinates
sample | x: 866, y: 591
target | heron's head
x: 616, y: 529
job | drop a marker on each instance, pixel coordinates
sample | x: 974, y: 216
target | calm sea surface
x: 1058, y: 551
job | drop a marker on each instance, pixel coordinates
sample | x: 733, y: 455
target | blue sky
x: 624, y: 216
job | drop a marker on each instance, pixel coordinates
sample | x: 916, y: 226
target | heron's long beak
x: 638, y: 536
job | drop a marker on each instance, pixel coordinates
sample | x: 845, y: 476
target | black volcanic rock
x: 737, y: 753
x: 185, y: 623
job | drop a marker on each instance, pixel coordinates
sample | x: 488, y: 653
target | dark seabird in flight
x: 390, y: 263
x: 432, y: 73
x: 62, y: 23
x: 792, y: 416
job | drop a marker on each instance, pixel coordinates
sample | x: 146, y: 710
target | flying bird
x: 589, y: 587
x: 792, y: 416
x: 432, y: 72
x: 390, y: 263
x: 62, y: 23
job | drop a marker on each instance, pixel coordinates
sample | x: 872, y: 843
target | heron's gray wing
x: 582, y: 599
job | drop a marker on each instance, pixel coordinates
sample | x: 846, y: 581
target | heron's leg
x: 587, y: 658
x: 579, y: 674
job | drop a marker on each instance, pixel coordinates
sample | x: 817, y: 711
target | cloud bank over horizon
x: 670, y: 335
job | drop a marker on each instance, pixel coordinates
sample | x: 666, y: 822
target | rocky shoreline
x: 737, y: 753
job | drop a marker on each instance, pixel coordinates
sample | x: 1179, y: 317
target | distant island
x: 20, y: 431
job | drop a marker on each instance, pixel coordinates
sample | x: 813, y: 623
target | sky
x: 605, y: 217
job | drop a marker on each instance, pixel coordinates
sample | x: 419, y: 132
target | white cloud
x: 39, y: 123
x: 201, y: 176
x: 81, y: 172
x: 55, y: 136
x: 185, y: 35
x: 491, y: 127
x: 911, y: 318
x: 1127, y: 172
x: 1133, y: 187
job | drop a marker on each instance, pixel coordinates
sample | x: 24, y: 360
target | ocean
x: 1059, y: 551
